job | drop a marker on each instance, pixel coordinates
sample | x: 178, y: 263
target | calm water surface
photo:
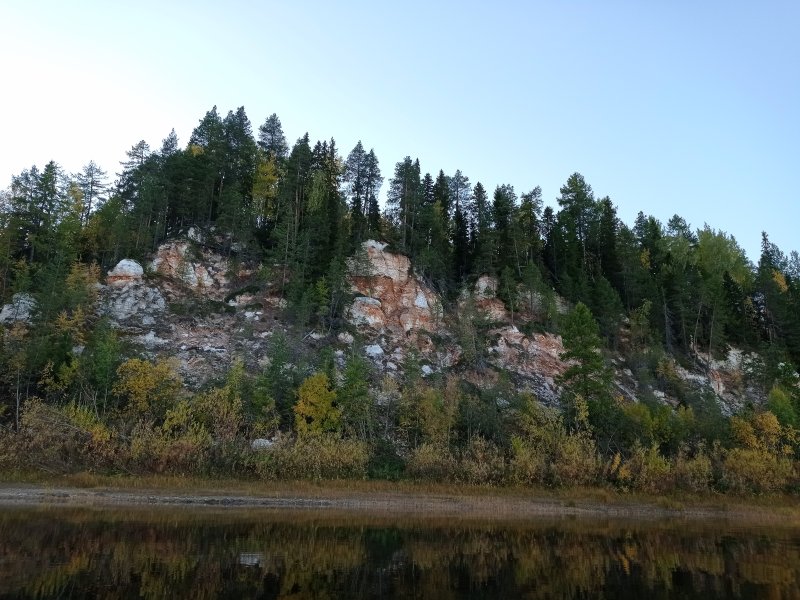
x: 138, y: 553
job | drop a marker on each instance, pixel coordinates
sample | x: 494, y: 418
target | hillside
x: 238, y: 308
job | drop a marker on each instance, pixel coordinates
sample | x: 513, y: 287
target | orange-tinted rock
x: 484, y: 294
x: 127, y: 271
x: 205, y: 274
x: 535, y: 357
x: 390, y: 300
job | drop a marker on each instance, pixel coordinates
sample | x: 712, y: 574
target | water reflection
x: 85, y: 553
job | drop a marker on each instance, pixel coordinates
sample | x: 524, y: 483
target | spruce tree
x: 271, y: 139
x: 588, y: 376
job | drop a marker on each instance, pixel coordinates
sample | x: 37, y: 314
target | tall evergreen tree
x: 93, y: 182
x: 587, y: 379
x: 235, y: 211
x: 571, y: 244
x: 504, y: 206
x: 271, y: 139
x: 292, y: 201
x: 459, y: 198
x: 372, y: 185
x: 207, y: 146
x: 404, y: 199
x: 480, y: 218
x: 431, y: 237
x: 355, y: 180
x: 529, y: 228
x: 442, y: 194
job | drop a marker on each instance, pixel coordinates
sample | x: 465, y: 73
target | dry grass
x: 435, y: 498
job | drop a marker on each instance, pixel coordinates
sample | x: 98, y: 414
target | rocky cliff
x: 190, y: 303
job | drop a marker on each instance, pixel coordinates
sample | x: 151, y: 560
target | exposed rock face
x: 396, y: 314
x: 204, y: 339
x: 202, y: 271
x: 126, y: 272
x: 390, y: 300
x: 131, y: 303
x: 535, y: 358
x: 369, y: 312
x: 395, y: 311
x: 724, y: 377
x: 486, y: 300
x: 20, y: 308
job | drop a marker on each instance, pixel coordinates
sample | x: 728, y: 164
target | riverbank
x: 389, y: 498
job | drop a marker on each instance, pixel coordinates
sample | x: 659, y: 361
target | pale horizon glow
x: 668, y: 108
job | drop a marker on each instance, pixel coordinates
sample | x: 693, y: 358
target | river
x: 146, y: 552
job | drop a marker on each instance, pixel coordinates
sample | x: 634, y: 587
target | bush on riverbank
x: 209, y: 434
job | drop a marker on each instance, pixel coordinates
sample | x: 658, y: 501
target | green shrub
x: 385, y: 462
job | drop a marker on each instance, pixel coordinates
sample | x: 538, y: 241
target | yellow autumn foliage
x: 315, y: 411
x: 149, y: 388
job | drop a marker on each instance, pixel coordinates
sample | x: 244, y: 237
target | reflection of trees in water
x: 107, y: 554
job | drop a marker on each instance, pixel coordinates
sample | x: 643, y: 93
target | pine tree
x: 373, y: 184
x: 404, y: 200
x: 93, y: 182
x: 588, y: 377
x: 459, y: 198
x: 292, y: 202
x: 271, y: 139
x: 355, y: 180
x: 208, y: 147
x: 481, y: 243
x: 441, y: 193
x: 571, y: 238
x: 528, y: 226
x: 504, y: 208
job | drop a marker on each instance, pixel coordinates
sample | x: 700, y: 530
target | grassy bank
x: 383, y: 497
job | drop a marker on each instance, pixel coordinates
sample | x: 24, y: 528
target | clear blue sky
x: 667, y: 107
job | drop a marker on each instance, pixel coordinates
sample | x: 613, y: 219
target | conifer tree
x: 588, y: 377
x: 354, y: 177
x: 372, y: 185
x: 404, y: 200
x: 528, y: 225
x: 480, y: 231
x: 93, y: 182
x: 271, y: 139
x: 506, y: 249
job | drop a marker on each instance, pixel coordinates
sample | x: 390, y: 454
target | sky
x: 679, y: 107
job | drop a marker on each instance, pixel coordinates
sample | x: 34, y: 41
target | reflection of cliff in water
x: 157, y: 554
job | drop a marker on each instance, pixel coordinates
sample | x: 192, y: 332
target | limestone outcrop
x: 486, y: 300
x: 202, y: 271
x: 534, y: 358
x: 188, y: 303
x: 127, y: 300
x: 126, y: 272
x: 389, y: 299
x: 397, y: 313
x: 20, y: 308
